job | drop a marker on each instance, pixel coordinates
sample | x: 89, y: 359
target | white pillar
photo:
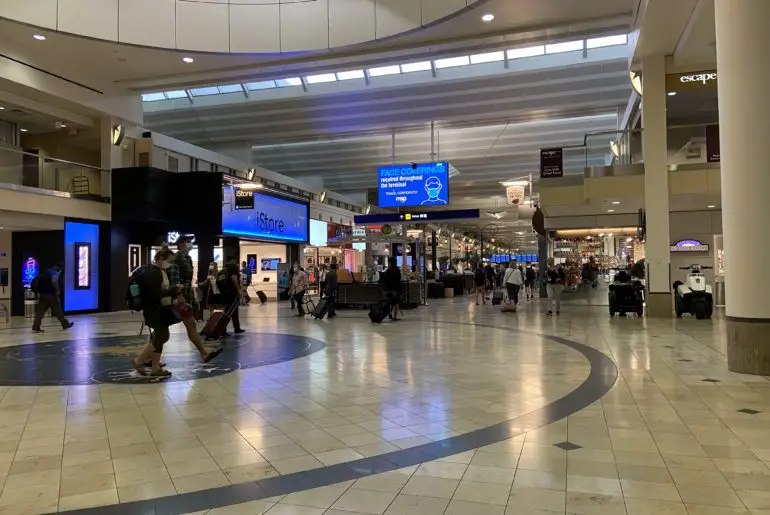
x: 744, y: 118
x: 656, y: 201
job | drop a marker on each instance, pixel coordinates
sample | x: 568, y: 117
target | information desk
x: 357, y: 294
x: 456, y: 281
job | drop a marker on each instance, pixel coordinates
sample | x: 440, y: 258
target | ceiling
x: 113, y: 67
x: 489, y: 127
x: 33, y: 122
x: 693, y: 107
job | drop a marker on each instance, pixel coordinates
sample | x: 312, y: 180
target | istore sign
x: 244, y: 199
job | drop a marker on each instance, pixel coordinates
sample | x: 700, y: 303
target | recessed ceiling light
x: 39, y: 37
x: 711, y: 206
x: 2, y: 108
x: 188, y: 59
x: 615, y: 202
x: 610, y: 210
x: 672, y: 93
x: 23, y: 130
x: 488, y: 17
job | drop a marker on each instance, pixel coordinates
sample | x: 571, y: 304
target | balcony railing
x: 29, y: 170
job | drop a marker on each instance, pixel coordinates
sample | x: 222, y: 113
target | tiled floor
x: 662, y: 441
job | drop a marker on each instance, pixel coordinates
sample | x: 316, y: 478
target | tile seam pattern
x: 601, y: 379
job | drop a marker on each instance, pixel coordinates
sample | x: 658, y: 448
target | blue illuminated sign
x: 422, y: 184
x: 272, y: 218
x: 81, y: 266
x: 29, y: 271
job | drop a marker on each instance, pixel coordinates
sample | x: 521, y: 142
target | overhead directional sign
x: 417, y: 217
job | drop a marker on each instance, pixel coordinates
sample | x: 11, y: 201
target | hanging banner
x: 514, y: 195
x: 712, y: 143
x: 551, y: 163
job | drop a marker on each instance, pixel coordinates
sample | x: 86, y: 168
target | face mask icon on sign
x: 433, y: 188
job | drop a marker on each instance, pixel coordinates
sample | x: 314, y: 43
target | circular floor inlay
x: 108, y: 359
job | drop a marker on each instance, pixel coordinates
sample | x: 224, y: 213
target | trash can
x: 719, y: 293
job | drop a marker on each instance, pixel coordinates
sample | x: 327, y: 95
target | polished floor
x: 457, y: 409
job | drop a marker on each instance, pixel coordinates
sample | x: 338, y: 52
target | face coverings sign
x: 421, y: 184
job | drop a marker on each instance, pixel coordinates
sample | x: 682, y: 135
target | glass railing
x: 687, y: 144
x: 28, y: 170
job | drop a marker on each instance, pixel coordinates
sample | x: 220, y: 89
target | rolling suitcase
x: 379, y: 311
x: 262, y: 297
x: 497, y: 297
x: 321, y: 308
x: 217, y: 324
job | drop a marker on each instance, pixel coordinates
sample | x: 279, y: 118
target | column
x: 656, y: 202
x: 744, y: 119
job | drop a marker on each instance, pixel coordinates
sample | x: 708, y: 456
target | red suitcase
x: 217, y: 324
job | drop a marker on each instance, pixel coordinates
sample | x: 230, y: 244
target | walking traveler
x: 530, y: 277
x: 229, y: 285
x: 513, y: 280
x: 555, y: 278
x: 46, y: 285
x: 393, y: 288
x: 331, y: 289
x: 322, y: 280
x: 246, y: 275
x: 480, y: 281
x: 301, y: 285
x: 213, y: 296
x: 157, y: 299
x: 180, y: 274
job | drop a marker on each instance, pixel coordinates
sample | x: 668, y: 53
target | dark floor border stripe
x: 743, y: 320
x: 600, y: 380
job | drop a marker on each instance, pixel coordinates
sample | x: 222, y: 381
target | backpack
x: 479, y: 275
x: 41, y: 283
x: 136, y: 283
x: 223, y: 281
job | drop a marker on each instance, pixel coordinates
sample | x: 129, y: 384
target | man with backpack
x: 46, y: 286
x: 229, y: 285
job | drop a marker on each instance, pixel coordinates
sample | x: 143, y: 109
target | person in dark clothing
x: 180, y: 274
x: 480, y: 282
x: 489, y: 275
x: 246, y: 275
x: 46, y: 285
x: 393, y: 288
x: 157, y: 301
x: 232, y: 293
x: 530, y: 276
x: 555, y: 279
x: 331, y: 289
x: 290, y: 291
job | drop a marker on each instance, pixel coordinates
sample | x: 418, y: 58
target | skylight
x: 351, y: 74
x: 254, y: 86
x: 422, y: 66
x: 451, y: 62
x: 489, y: 57
x: 231, y: 88
x: 384, y: 70
x: 153, y: 97
x: 175, y: 94
x: 201, y: 92
x: 530, y: 51
x: 620, y: 39
x: 293, y: 81
x: 319, y: 79
x: 569, y: 46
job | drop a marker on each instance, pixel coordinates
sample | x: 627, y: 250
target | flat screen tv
x: 270, y: 264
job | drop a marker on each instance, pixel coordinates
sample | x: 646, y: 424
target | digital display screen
x: 82, y: 266
x: 270, y: 264
x: 319, y: 233
x: 272, y: 219
x: 251, y: 262
x: 29, y: 271
x: 421, y: 184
